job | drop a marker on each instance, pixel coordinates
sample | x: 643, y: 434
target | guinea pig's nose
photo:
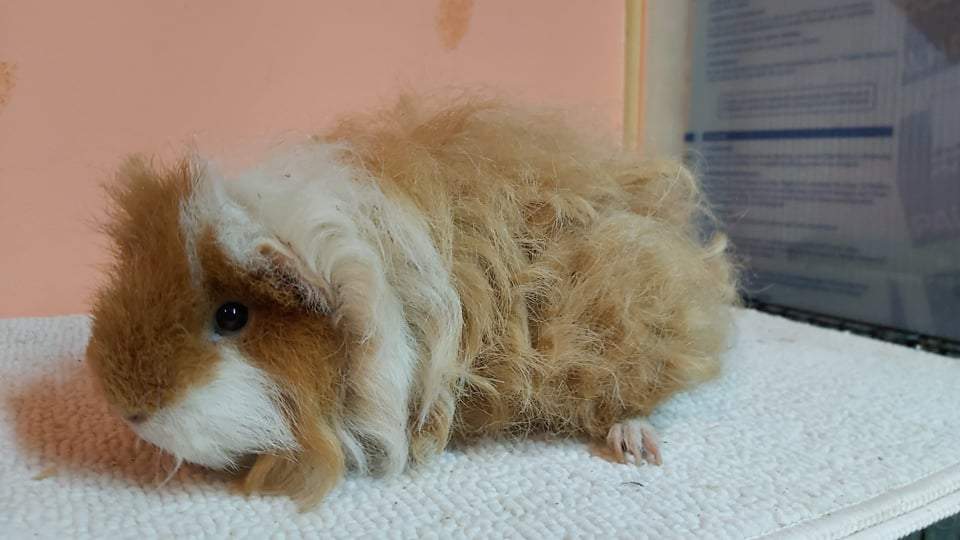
x: 136, y: 418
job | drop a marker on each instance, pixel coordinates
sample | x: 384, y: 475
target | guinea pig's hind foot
x: 634, y: 440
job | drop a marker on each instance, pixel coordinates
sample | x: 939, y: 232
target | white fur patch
x: 365, y: 261
x: 234, y: 415
x: 316, y: 209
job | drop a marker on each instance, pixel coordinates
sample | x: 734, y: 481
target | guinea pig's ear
x: 348, y: 292
x: 290, y: 279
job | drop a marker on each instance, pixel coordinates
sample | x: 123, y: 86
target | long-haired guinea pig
x: 415, y: 276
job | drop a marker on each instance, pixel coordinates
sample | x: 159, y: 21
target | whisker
x: 178, y: 462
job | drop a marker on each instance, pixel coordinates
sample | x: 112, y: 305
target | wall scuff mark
x: 7, y: 82
x: 453, y: 21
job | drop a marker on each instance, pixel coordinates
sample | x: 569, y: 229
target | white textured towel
x: 810, y: 433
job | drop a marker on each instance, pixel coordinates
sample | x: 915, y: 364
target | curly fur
x: 422, y: 273
x: 586, y: 294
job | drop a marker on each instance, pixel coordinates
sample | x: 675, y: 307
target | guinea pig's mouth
x: 219, y: 424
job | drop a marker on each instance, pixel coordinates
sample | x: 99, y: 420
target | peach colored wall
x: 83, y: 83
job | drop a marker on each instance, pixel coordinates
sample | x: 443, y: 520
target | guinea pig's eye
x: 230, y: 317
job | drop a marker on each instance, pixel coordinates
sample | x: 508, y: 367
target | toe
x: 615, y: 442
x: 651, y: 445
x: 635, y: 441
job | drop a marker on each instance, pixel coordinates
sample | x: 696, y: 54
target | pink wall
x: 83, y: 83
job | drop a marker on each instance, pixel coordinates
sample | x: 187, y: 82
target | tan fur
x: 586, y: 294
x: 146, y: 346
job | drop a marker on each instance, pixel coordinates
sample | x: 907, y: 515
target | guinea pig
x: 419, y: 275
